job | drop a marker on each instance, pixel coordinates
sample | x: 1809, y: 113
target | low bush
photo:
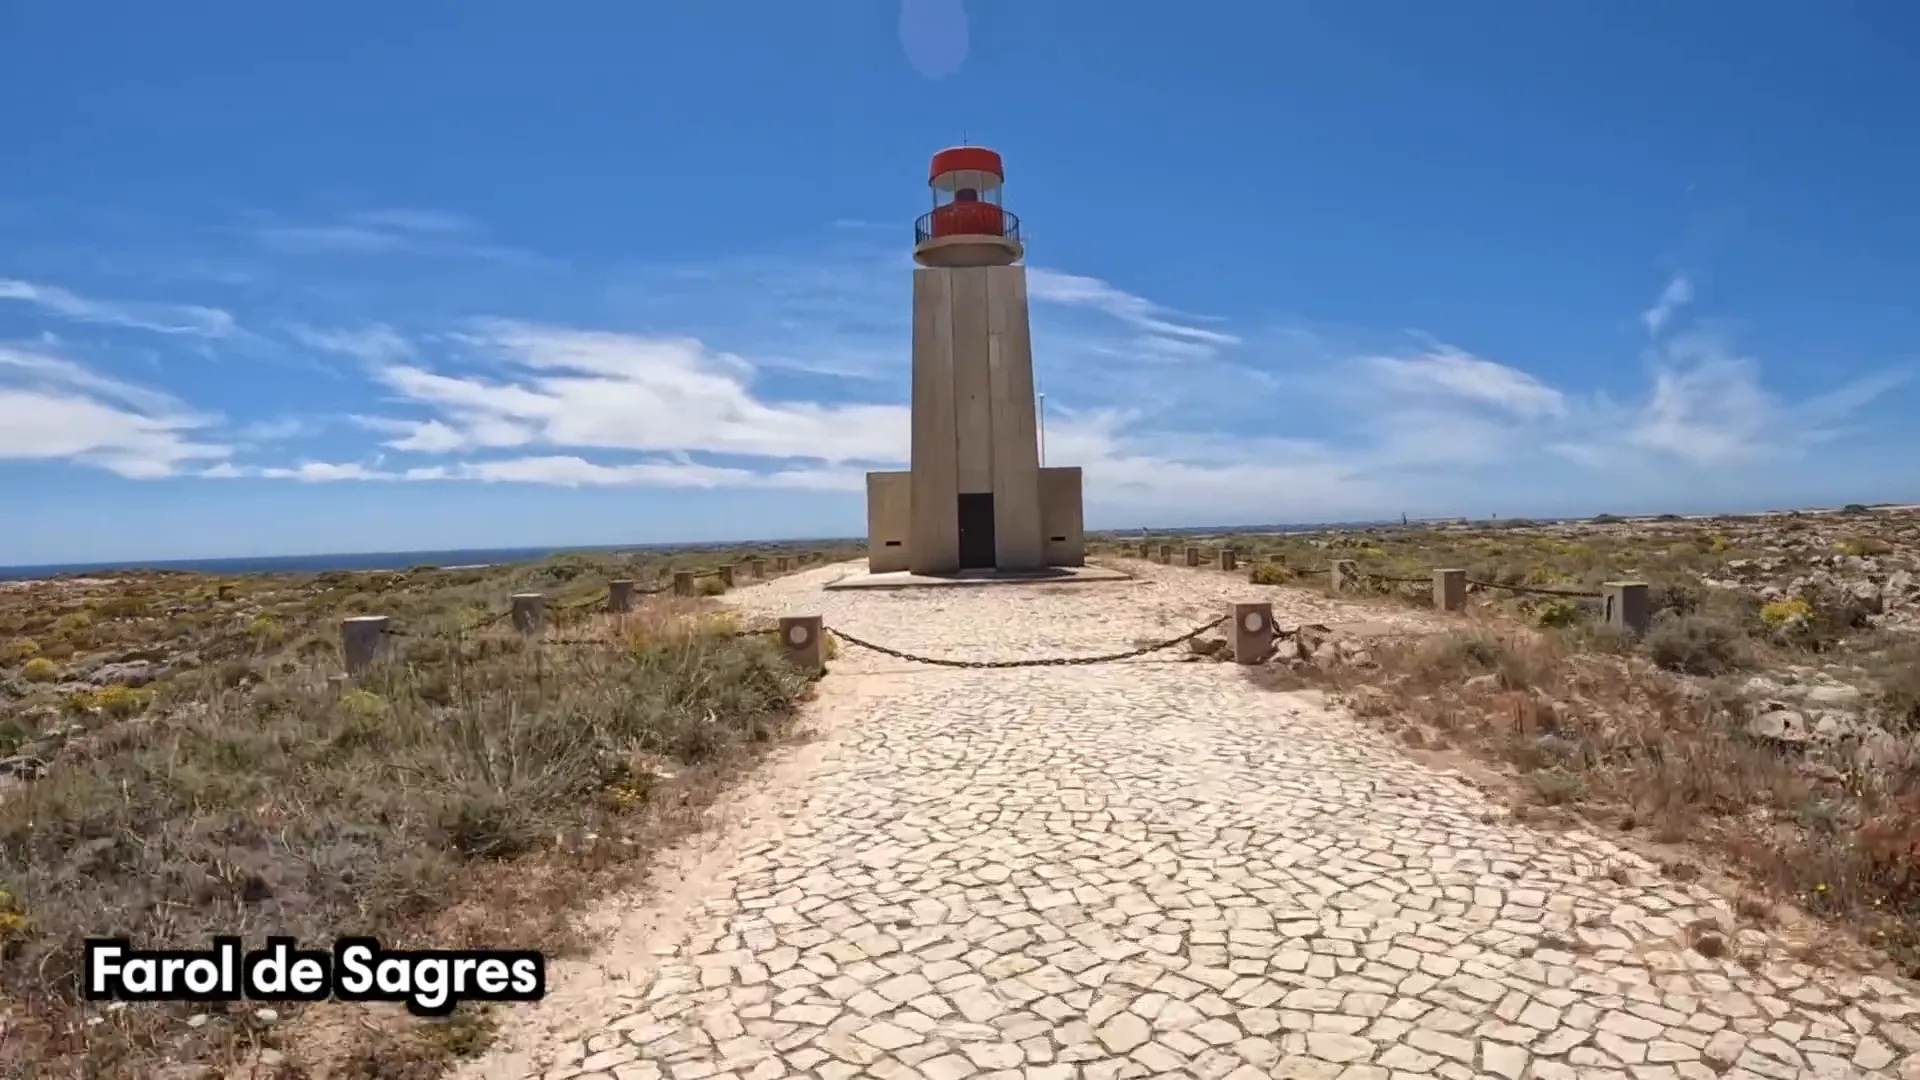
x: 1269, y: 573
x: 1697, y: 645
x: 1864, y: 546
x: 257, y: 802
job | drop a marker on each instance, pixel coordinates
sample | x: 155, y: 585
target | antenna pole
x: 1043, y: 430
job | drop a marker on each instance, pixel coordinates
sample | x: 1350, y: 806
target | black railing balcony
x: 966, y: 219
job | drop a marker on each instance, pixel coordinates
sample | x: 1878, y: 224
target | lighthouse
x: 974, y: 497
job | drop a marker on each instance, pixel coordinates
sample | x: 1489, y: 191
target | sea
x: 402, y: 560
x: 359, y: 560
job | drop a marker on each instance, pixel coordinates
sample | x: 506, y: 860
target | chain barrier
x: 1536, y: 591
x: 1531, y: 590
x: 1055, y: 661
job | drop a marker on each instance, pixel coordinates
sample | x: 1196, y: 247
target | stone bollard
x: 1450, y: 590
x: 224, y: 592
x: 683, y: 583
x: 1628, y: 607
x: 801, y: 638
x: 781, y: 564
x: 726, y: 575
x: 760, y: 568
x: 529, y: 612
x: 1252, y: 633
x: 1146, y: 550
x: 620, y: 596
x: 1346, y: 575
x: 364, y: 642
x: 1166, y: 554
x: 1193, y: 556
x: 1227, y: 559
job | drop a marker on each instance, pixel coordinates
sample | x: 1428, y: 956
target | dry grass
x: 1656, y: 737
x: 1585, y: 725
x: 467, y: 794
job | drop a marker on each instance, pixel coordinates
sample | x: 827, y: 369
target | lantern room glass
x: 966, y: 185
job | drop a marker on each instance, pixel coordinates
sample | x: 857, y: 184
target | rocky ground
x: 1811, y: 618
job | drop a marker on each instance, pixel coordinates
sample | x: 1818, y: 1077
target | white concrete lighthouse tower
x: 975, y: 497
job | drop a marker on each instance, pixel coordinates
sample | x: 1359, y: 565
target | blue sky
x: 295, y: 278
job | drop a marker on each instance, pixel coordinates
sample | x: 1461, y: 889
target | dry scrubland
x: 174, y: 764
x: 1767, y: 724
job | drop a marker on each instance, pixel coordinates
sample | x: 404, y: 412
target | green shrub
x: 1864, y: 546
x: 40, y: 669
x: 1559, y: 614
x: 1269, y: 573
x: 121, y: 701
x: 1779, y: 614
x: 1696, y: 645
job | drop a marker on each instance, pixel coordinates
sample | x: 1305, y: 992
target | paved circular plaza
x: 1150, y: 869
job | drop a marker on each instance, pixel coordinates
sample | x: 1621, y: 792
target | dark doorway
x: 976, y: 532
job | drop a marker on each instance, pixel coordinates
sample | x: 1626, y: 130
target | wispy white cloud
x: 428, y: 233
x: 188, y: 319
x: 1677, y: 294
x: 559, y: 470
x: 772, y: 375
x: 1164, y: 332
x: 401, y: 219
x: 1450, y: 373
x: 369, y: 345
x: 1709, y: 407
x: 574, y: 388
x: 54, y: 409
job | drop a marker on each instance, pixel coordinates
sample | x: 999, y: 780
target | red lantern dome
x: 967, y: 226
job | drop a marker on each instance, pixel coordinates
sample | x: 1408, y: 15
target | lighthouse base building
x: 975, y: 496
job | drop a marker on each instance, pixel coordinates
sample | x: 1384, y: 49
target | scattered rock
x: 1780, y: 726
x: 128, y: 673
x: 23, y: 767
x: 1832, y: 695
x: 1207, y: 646
x: 1867, y: 595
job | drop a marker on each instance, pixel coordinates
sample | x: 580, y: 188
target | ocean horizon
x: 402, y: 560
x: 361, y: 560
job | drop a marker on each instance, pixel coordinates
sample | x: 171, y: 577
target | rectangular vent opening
x: 1057, y: 539
x: 893, y: 543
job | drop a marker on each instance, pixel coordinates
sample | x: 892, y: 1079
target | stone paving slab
x: 1152, y: 870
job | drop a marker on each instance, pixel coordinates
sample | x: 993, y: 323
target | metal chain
x: 1531, y: 590
x: 1058, y: 661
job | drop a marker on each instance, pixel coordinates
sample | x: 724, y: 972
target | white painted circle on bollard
x: 796, y: 635
x: 1253, y: 622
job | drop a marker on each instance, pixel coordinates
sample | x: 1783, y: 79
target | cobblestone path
x: 1153, y: 869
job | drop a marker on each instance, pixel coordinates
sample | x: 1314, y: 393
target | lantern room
x: 968, y: 225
